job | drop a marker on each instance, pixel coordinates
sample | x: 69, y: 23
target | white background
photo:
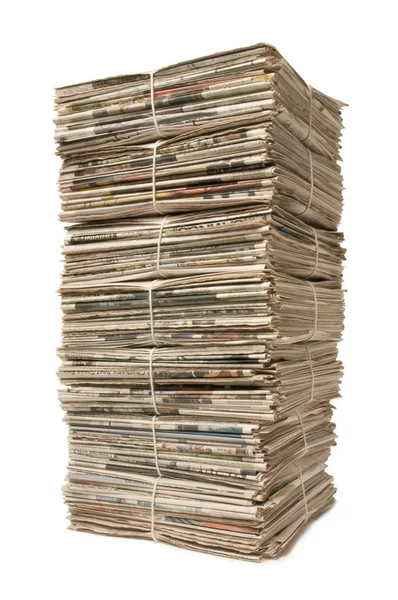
x: 345, y: 49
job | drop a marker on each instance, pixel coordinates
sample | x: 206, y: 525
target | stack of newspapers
x: 202, y: 302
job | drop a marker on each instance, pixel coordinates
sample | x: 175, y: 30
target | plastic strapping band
x: 316, y: 312
x: 305, y: 449
x: 312, y: 373
x: 158, y: 269
x: 151, y: 284
x: 304, y: 494
x: 317, y: 253
x: 310, y: 114
x: 154, y: 203
x: 151, y: 353
x: 155, y: 485
x: 155, y: 121
x: 312, y: 185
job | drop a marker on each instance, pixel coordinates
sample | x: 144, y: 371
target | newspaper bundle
x: 253, y: 238
x: 264, y: 163
x: 210, y: 93
x: 202, y: 302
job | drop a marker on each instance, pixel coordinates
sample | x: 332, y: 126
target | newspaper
x: 202, y: 302
x: 207, y: 449
x: 202, y: 242
x: 264, y: 163
x: 198, y: 516
x: 261, y: 383
x: 229, y: 308
x: 211, y: 92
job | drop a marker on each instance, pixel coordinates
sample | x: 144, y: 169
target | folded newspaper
x: 202, y: 302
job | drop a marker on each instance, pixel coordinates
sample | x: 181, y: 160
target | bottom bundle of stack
x: 199, y: 515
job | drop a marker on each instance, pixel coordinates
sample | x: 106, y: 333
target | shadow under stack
x: 202, y: 301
